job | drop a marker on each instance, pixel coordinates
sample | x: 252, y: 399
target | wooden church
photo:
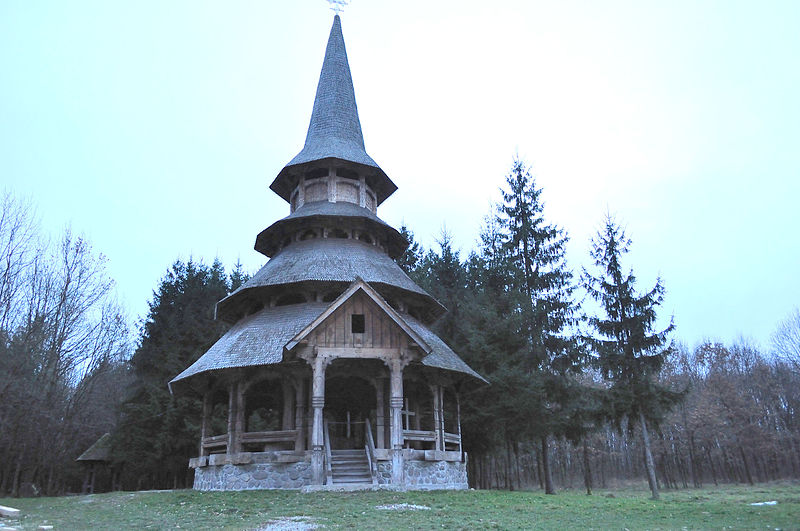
x: 330, y: 375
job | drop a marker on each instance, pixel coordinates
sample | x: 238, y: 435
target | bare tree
x: 786, y: 339
x: 60, y: 329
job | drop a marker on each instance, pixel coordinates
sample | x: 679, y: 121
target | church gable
x: 358, y: 323
x: 359, y: 318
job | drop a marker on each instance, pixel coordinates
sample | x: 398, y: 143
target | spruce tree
x: 537, y: 253
x: 413, y: 254
x: 630, y: 353
x: 237, y: 277
x: 157, y: 433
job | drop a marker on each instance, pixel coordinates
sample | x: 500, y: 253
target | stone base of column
x: 397, y: 467
x: 318, y: 466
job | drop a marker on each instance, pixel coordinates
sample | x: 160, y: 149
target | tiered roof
x: 268, y: 241
x: 264, y: 334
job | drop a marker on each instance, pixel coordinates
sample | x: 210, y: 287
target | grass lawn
x: 710, y: 508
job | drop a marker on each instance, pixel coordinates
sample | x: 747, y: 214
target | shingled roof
x: 267, y: 242
x: 261, y: 338
x: 335, y: 129
x: 257, y: 339
x: 441, y: 356
x: 331, y: 260
x: 99, y: 451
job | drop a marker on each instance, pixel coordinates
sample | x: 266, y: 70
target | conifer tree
x: 537, y: 253
x: 237, y: 277
x: 630, y: 353
x: 156, y: 434
x: 412, y: 256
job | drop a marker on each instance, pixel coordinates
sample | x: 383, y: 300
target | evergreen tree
x: 536, y: 251
x: 238, y: 276
x: 412, y: 256
x: 158, y: 431
x: 630, y: 354
x: 443, y: 275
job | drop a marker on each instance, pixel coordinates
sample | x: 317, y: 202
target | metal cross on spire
x: 338, y: 5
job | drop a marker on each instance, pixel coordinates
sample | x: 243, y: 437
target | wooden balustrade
x: 453, y: 438
x: 419, y: 435
x: 219, y: 443
x: 216, y: 442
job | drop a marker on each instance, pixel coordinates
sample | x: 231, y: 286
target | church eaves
x: 335, y: 129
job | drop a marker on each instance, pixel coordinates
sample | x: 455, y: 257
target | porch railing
x: 215, y: 442
x: 219, y: 443
x: 370, y: 447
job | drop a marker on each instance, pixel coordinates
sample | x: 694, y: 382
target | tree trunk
x: 648, y: 458
x: 548, y: 478
x: 509, y: 480
x: 587, y: 471
x: 746, y: 466
x: 17, y: 473
x: 693, y: 464
x: 539, y: 470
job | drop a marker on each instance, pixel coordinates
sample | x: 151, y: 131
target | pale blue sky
x: 155, y: 129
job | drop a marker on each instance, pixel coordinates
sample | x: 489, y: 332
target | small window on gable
x: 358, y: 324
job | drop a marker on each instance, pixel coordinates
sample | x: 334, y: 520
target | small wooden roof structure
x: 100, y: 451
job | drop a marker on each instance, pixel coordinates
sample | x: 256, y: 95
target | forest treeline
x: 578, y: 398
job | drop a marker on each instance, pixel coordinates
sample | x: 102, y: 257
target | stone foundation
x: 285, y: 470
x: 427, y: 475
x: 253, y: 476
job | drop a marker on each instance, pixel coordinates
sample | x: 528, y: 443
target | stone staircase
x: 350, y: 467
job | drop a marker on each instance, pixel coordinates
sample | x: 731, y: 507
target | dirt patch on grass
x: 403, y: 507
x: 291, y: 523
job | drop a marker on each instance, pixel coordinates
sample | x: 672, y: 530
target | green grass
x: 711, y: 508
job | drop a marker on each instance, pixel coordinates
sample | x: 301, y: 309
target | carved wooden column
x: 437, y: 417
x: 299, y: 414
x: 317, y: 434
x: 380, y: 411
x: 287, y: 419
x: 240, y: 420
x: 204, y: 421
x: 309, y: 410
x: 233, y: 387
x: 396, y: 403
x: 458, y: 422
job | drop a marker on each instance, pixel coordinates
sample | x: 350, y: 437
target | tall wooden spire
x: 335, y: 129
